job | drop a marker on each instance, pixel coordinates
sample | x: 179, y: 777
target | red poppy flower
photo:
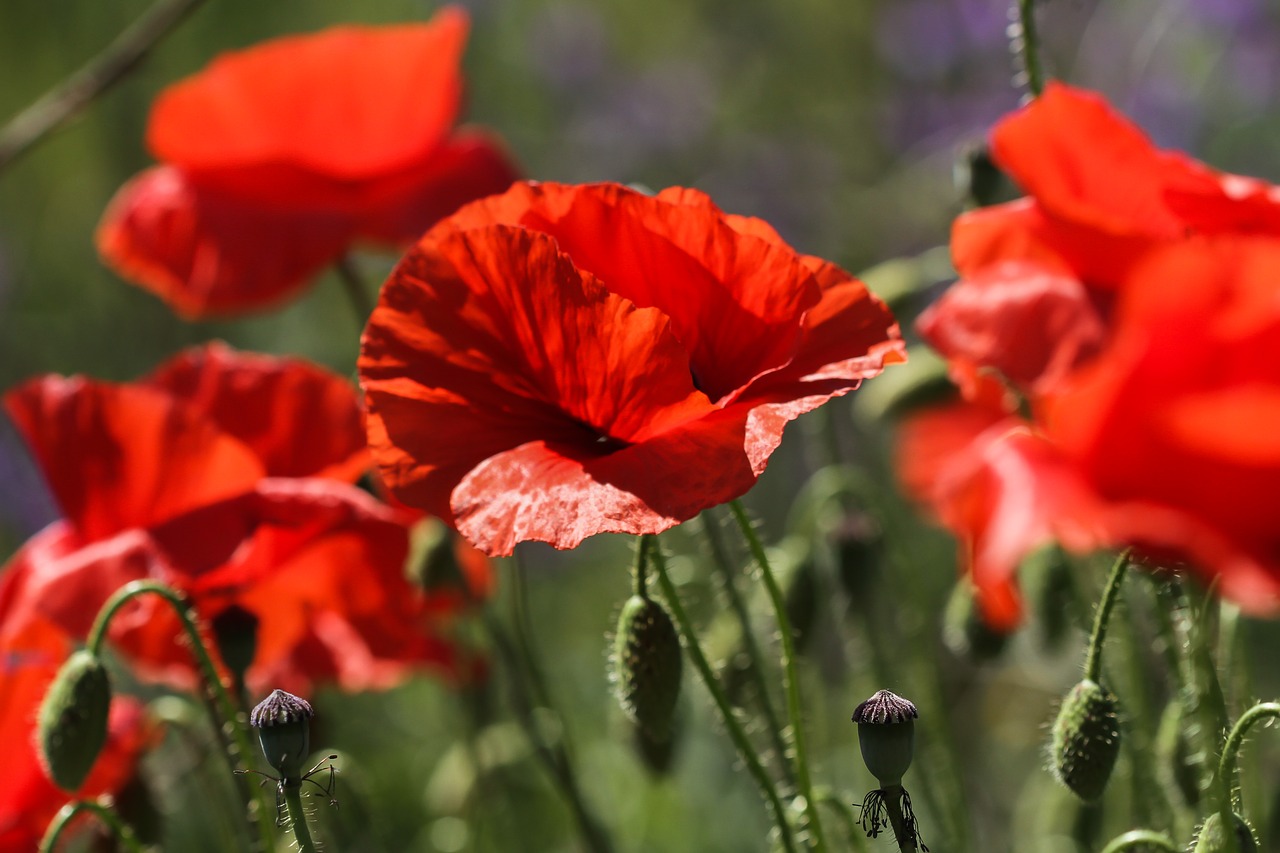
x: 561, y: 361
x: 1131, y: 301
x: 30, y: 655
x: 190, y: 478
x: 277, y: 158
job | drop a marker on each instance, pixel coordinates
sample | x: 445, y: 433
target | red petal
x: 490, y: 338
x: 735, y: 299
x: 207, y: 252
x: 118, y: 456
x: 300, y: 419
x: 1031, y: 324
x: 349, y: 102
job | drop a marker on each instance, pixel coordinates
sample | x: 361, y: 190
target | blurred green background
x: 839, y: 121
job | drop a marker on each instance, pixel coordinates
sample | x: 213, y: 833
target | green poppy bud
x: 1086, y: 740
x: 1210, y: 840
x: 283, y: 722
x: 647, y: 665
x: 72, y: 724
x: 886, y: 735
x: 235, y: 632
x: 966, y: 632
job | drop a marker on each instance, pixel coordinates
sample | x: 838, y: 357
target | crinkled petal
x: 300, y: 419
x: 348, y: 102
x: 120, y: 456
x: 207, y: 252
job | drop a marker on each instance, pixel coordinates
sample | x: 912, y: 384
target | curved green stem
x: 1140, y: 838
x: 800, y: 753
x: 1227, y: 769
x: 640, y: 567
x: 739, y: 607
x: 1030, y: 51
x: 292, y: 789
x: 231, y: 723
x: 736, y: 732
x: 106, y: 69
x: 1110, y: 595
x: 122, y: 832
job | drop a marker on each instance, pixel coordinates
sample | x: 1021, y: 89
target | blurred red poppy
x: 189, y: 477
x: 561, y: 361
x: 276, y: 159
x: 1130, y: 303
x: 30, y: 655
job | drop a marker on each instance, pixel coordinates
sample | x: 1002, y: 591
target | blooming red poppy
x: 560, y: 361
x: 277, y: 158
x: 190, y: 477
x: 1130, y: 301
x: 30, y: 654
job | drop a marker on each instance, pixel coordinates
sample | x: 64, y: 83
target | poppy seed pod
x: 283, y: 722
x: 886, y: 735
x: 1210, y: 840
x: 1086, y: 740
x: 72, y: 725
x: 647, y: 664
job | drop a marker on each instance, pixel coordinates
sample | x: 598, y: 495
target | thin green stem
x: 292, y: 789
x: 857, y: 840
x: 1110, y: 595
x: 122, y: 832
x: 357, y: 291
x: 1143, y: 839
x: 1227, y: 765
x: 773, y: 723
x: 640, y: 567
x: 731, y: 722
x: 60, y: 104
x: 232, y: 722
x: 1027, y: 46
x: 799, y: 753
x: 903, y: 833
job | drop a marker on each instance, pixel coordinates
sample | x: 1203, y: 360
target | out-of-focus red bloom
x: 1130, y: 300
x: 277, y: 158
x: 227, y: 477
x: 30, y: 654
x: 561, y: 361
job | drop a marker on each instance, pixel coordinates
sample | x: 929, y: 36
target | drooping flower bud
x: 72, y: 724
x: 283, y: 722
x: 966, y: 632
x: 1210, y: 838
x: 1086, y: 740
x: 647, y: 664
x: 235, y: 632
x: 886, y: 735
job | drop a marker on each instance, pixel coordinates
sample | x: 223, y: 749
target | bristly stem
x: 356, y: 289
x: 232, y: 722
x: 1026, y: 45
x: 640, y: 567
x: 723, y: 566
x: 903, y: 832
x: 1101, y: 618
x: 61, y: 103
x: 1227, y: 765
x: 292, y: 789
x: 800, y: 753
x: 731, y: 722
x: 121, y: 831
x: 1141, y: 839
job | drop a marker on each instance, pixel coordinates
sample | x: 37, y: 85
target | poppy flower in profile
x: 226, y: 476
x: 560, y: 361
x: 276, y: 159
x: 30, y: 656
x: 1128, y: 305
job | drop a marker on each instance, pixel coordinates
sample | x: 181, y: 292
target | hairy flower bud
x: 886, y: 735
x: 647, y: 665
x: 72, y: 724
x: 1210, y: 839
x: 1086, y: 740
x: 966, y: 632
x: 283, y: 722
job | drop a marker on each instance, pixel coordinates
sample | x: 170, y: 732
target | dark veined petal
x: 300, y: 419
